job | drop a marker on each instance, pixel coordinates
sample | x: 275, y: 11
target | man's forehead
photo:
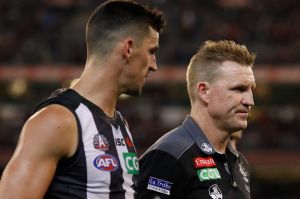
x: 233, y: 68
x: 152, y: 42
x: 153, y: 35
x: 235, y: 72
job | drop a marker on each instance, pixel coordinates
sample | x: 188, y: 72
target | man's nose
x: 248, y: 99
x: 152, y: 64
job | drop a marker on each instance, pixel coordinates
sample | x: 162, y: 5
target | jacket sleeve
x: 159, y: 176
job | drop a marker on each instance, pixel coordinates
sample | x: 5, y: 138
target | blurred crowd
x: 52, y: 31
x: 274, y: 122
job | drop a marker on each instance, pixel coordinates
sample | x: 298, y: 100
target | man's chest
x: 215, y: 176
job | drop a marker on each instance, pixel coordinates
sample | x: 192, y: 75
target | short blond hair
x: 211, y: 54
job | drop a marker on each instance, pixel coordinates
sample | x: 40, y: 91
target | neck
x: 100, y: 86
x: 217, y: 137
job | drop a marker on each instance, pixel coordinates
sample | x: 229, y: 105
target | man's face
x: 142, y: 62
x: 231, y: 97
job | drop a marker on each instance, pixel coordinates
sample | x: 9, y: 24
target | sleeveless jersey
x: 105, y: 162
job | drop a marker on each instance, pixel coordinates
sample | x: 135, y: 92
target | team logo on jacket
x: 106, y: 162
x: 206, y: 147
x: 200, y: 162
x: 159, y: 185
x: 100, y: 142
x: 215, y: 192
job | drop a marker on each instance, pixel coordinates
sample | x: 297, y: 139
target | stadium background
x: 42, y: 48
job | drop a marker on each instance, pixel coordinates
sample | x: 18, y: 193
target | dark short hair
x: 114, y: 17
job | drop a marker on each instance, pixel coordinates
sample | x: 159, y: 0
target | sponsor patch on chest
x: 131, y: 162
x: 208, y: 174
x: 159, y: 185
x: 200, y: 162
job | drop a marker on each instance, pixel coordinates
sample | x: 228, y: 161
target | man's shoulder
x: 64, y: 97
x: 175, y: 142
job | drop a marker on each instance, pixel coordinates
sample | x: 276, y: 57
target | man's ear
x: 127, y: 47
x: 203, y: 91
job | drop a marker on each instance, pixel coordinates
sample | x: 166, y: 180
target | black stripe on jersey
x: 103, y: 125
x: 122, y: 123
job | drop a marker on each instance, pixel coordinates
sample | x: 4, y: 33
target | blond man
x: 195, y: 160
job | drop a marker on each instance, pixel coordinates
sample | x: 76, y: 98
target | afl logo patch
x: 100, y: 142
x: 206, y: 148
x: 106, y: 162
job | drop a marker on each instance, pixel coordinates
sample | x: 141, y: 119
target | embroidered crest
x: 206, y: 147
x: 100, y: 142
x: 215, y: 192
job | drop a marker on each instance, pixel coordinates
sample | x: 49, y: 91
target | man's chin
x: 244, y: 125
x: 239, y: 127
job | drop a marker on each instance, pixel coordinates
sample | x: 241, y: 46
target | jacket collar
x: 200, y: 139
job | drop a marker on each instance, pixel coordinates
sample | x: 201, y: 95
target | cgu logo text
x: 208, y: 174
x: 106, y: 162
x: 131, y: 162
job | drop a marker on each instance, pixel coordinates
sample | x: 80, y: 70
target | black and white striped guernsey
x: 105, y: 162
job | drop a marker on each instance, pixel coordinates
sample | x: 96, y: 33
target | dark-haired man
x: 76, y: 145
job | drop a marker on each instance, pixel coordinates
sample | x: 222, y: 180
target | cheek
x: 143, y: 62
x: 222, y: 101
x: 232, y: 103
x: 140, y: 65
x: 216, y: 101
x: 219, y: 97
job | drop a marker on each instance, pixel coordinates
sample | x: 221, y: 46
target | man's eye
x: 240, y: 88
x: 152, y: 52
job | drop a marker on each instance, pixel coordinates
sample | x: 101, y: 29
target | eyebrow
x: 243, y: 85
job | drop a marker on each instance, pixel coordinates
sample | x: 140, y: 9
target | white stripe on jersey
x: 97, y: 181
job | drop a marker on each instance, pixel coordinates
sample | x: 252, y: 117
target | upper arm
x: 158, y: 166
x: 46, y: 137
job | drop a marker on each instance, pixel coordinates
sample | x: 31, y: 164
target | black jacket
x: 182, y: 164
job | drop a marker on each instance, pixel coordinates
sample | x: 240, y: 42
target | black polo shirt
x: 183, y: 164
